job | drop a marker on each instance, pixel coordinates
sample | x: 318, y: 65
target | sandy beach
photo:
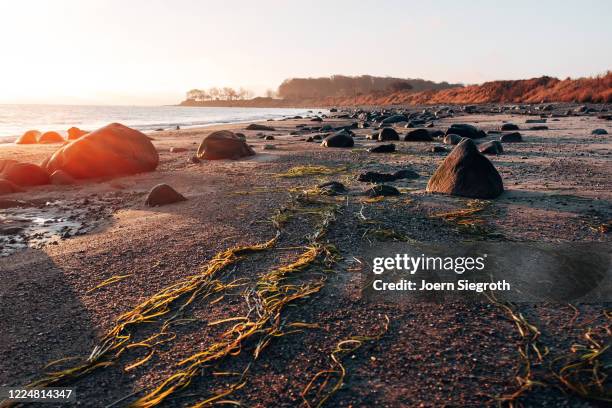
x: 558, y: 188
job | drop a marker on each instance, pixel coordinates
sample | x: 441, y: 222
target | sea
x: 16, y: 119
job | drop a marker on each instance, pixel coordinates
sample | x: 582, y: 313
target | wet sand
x: 558, y: 189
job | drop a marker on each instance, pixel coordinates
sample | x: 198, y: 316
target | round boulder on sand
x: 387, y: 134
x: 418, y: 135
x: 6, y: 187
x: 466, y: 130
x: 50, y: 137
x: 61, y: 178
x: 111, y: 151
x: 466, y: 172
x: 514, y: 137
x: 339, y: 139
x: 163, y: 194
x: 29, y: 137
x: 74, y: 133
x: 23, y: 174
x: 491, y: 147
x: 223, y: 144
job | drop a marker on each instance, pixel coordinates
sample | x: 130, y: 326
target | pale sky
x: 152, y: 52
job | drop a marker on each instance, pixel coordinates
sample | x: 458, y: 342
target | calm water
x: 16, y: 119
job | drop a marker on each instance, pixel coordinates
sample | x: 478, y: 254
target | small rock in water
x: 385, y: 148
x: 163, y: 194
x: 382, y: 190
x: 332, y: 188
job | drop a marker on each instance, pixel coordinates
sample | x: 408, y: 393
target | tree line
x: 351, y: 86
x: 219, y: 94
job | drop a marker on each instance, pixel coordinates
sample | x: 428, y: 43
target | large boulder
x: 111, y: 151
x: 23, y: 174
x: 74, y: 133
x: 29, y: 137
x: 465, y: 130
x: 418, y: 135
x: 339, y: 139
x: 163, y: 194
x: 224, y: 144
x: 387, y: 134
x: 50, y: 137
x: 466, y: 172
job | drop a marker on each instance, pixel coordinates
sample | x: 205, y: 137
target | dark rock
x: 382, y: 190
x: 269, y: 137
x: 385, y: 148
x: 223, y: 144
x: 535, y: 121
x: 332, y: 188
x: 374, y: 177
x: 540, y: 127
x: 405, y: 174
x: 508, y: 126
x: 438, y: 149
x: 465, y: 130
x: 256, y: 126
x: 394, y: 119
x: 163, y: 194
x: 310, y: 139
x: 514, y: 137
x: 418, y: 135
x: 194, y: 159
x: 387, y: 134
x: 338, y: 139
x: 452, y: 139
x: 466, y: 172
x: 599, y: 132
x: 491, y: 147
x: 316, y: 119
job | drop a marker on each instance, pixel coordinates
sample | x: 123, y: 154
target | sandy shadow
x: 42, y: 319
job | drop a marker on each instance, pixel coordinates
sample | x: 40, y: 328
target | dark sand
x: 558, y: 189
